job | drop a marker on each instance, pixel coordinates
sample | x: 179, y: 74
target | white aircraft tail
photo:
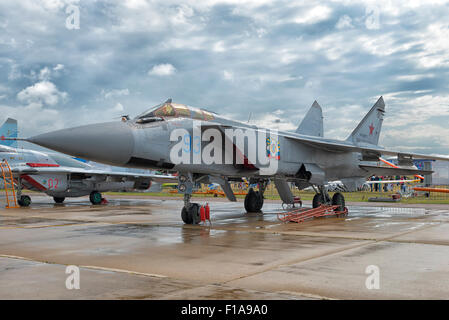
x: 368, y: 130
x: 312, y: 124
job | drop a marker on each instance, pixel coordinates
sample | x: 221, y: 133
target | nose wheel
x: 191, y: 214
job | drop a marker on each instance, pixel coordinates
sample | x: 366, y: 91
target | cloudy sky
x: 270, y: 58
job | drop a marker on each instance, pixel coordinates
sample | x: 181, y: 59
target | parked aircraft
x: 61, y: 176
x: 207, y: 148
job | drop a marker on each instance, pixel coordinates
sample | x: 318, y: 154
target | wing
x: 370, y: 151
x: 389, y: 171
x: 23, y: 169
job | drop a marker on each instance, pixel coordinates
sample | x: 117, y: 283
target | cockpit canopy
x: 169, y: 109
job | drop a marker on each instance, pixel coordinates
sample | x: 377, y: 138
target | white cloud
x: 164, y: 69
x: 414, y: 77
x: 58, y: 67
x: 228, y: 75
x: 34, y: 118
x: 44, y: 74
x: 344, y: 22
x: 219, y: 46
x: 42, y: 92
x: 314, y: 15
x: 118, y: 107
x: 272, y: 120
x: 108, y: 94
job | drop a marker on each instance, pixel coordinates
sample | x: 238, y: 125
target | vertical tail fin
x: 368, y: 130
x: 312, y: 124
x: 9, y: 130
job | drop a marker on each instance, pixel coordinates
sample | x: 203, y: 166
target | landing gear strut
x: 321, y: 197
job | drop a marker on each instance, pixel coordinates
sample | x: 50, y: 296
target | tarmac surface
x: 138, y: 248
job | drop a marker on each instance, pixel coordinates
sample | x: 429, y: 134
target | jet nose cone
x: 111, y: 142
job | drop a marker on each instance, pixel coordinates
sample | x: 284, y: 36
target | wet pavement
x: 138, y: 248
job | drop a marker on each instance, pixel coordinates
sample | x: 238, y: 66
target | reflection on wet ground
x: 139, y: 248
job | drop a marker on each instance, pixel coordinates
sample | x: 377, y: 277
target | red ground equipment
x: 300, y: 215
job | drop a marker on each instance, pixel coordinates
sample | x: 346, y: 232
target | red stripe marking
x: 33, y: 182
x: 38, y: 165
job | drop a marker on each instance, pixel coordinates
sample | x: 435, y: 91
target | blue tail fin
x: 9, y: 130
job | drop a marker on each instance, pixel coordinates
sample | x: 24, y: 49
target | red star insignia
x: 371, y: 128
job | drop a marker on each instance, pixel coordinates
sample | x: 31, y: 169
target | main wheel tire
x: 95, y: 197
x: 185, y: 216
x: 338, y: 199
x: 24, y: 201
x: 318, y: 200
x: 195, y: 213
x: 59, y: 199
x: 259, y: 201
x: 192, y: 214
x: 253, y: 201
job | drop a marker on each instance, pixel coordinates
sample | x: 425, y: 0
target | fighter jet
x: 204, y: 147
x: 61, y: 176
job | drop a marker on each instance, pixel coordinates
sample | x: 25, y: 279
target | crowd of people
x: 379, y: 187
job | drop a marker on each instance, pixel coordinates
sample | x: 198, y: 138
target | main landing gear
x: 254, y: 199
x: 59, y: 199
x: 24, y: 200
x: 322, y: 197
x: 95, y: 197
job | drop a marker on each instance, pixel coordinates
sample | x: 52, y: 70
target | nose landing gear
x: 190, y: 213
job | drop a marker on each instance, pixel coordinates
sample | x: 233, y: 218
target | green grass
x: 349, y: 196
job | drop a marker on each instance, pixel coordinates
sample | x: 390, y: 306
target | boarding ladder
x: 8, y: 185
